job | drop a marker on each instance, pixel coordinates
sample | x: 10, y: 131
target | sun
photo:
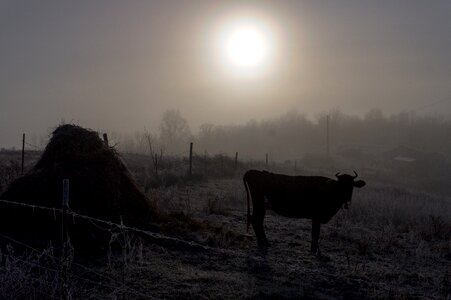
x: 245, y: 46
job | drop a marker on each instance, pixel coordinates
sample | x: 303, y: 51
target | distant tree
x: 174, y: 131
x: 374, y: 115
x: 206, y: 136
x: 206, y: 130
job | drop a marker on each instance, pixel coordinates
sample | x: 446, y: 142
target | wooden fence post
x: 190, y: 159
x: 236, y: 160
x: 266, y: 159
x: 64, y: 238
x: 23, y: 151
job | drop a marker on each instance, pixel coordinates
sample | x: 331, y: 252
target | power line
x: 424, y: 106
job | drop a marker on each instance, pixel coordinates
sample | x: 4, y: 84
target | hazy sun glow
x: 245, y: 46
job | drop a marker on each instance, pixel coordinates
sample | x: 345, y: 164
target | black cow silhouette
x: 311, y: 197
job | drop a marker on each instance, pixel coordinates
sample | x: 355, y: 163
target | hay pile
x: 100, y: 186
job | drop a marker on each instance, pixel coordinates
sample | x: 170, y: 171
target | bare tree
x: 174, y: 131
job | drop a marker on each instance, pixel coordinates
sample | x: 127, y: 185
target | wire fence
x: 37, y: 148
x: 111, y: 225
x: 106, y: 281
x: 113, y: 284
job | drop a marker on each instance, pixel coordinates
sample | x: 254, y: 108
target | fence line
x: 33, y: 146
x: 119, y: 285
x: 55, y: 259
x: 151, y: 234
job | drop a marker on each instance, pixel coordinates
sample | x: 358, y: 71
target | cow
x: 308, y: 197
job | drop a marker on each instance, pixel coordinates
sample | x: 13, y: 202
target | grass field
x: 394, y: 242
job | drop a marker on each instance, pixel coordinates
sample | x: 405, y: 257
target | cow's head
x: 346, y: 184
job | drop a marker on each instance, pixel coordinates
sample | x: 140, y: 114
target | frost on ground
x: 392, y: 243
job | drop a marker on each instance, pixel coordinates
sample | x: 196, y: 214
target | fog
x: 294, y: 135
x: 117, y: 66
x: 197, y: 149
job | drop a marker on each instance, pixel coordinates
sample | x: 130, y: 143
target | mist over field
x: 294, y: 134
x: 115, y: 66
x: 395, y: 148
x: 202, y: 149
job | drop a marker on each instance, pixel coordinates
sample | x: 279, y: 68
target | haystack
x: 100, y: 187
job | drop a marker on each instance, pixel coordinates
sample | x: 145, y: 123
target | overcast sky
x: 117, y: 65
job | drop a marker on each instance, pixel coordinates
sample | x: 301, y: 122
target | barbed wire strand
x: 33, y: 146
x: 151, y: 234
x: 111, y: 225
x: 73, y: 263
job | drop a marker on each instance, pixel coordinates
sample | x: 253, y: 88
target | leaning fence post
x: 23, y: 150
x: 190, y: 159
x: 64, y: 238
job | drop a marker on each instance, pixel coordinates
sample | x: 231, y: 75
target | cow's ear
x: 359, y: 183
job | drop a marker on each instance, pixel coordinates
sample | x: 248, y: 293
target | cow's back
x: 291, y: 196
x: 298, y: 196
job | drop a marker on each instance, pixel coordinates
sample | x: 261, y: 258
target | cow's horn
x: 338, y: 174
x: 355, y: 174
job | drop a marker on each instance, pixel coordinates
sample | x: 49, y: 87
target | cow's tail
x: 249, y: 217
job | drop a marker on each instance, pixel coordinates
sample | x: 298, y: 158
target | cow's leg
x: 316, y: 225
x: 258, y: 216
x: 262, y: 240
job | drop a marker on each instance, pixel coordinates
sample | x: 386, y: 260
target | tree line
x: 294, y: 135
